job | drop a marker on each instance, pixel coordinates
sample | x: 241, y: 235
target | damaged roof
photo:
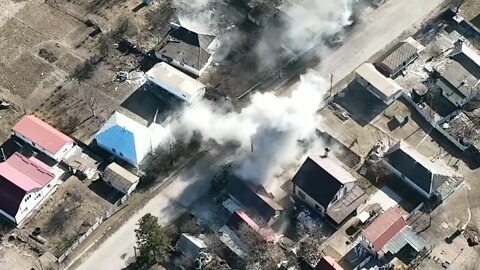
x: 456, y: 81
x: 260, y: 205
x: 187, y: 46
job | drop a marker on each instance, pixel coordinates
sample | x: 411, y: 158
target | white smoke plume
x: 275, y: 125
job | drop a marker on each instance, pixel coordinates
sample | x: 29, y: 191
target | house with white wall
x: 176, y: 82
x: 24, y: 184
x: 130, y: 140
x: 418, y: 172
x: 43, y: 137
x: 388, y: 234
x: 377, y: 84
x: 120, y: 178
x: 323, y: 184
x: 187, y: 50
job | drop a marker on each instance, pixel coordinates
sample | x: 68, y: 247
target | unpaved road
x: 382, y: 27
x: 188, y: 186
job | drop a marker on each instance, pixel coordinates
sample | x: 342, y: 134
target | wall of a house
x: 344, y: 190
x: 56, y: 156
x: 404, y: 65
x: 61, y: 153
x: 32, y: 200
x: 299, y: 193
x: 131, y: 160
x: 374, y: 91
x: 123, y: 189
x: 409, y: 182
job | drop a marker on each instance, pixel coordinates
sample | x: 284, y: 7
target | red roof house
x: 328, y: 263
x: 42, y: 136
x: 22, y: 183
x: 383, y: 229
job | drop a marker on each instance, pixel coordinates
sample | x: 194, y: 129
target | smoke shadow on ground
x: 360, y: 103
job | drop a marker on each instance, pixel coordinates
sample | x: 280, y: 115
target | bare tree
x: 68, y: 208
x: 312, y: 234
x: 259, y: 250
x: 85, y: 70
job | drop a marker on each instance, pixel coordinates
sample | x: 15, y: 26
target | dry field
x: 66, y: 215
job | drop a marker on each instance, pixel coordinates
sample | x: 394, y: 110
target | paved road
x: 382, y: 27
x: 373, y: 33
x: 187, y: 187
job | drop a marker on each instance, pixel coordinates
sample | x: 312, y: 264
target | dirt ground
x: 68, y: 213
x: 44, y: 42
x: 470, y: 9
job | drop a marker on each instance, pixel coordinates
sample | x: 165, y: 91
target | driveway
x: 173, y: 200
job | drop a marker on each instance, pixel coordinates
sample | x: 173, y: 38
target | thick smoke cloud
x: 278, y: 127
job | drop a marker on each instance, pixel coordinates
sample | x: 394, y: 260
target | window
x: 317, y: 206
x: 301, y: 194
x: 114, y: 150
x: 121, y: 154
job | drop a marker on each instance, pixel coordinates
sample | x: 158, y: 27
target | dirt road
x: 382, y: 27
x: 173, y: 200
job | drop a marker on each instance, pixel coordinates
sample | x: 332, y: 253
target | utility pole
x: 331, y: 84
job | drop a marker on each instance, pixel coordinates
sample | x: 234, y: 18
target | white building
x: 129, y: 140
x: 176, y: 82
x: 24, y: 184
x: 43, y: 137
x: 120, y: 179
x: 380, y: 86
x: 320, y: 182
x: 187, y: 50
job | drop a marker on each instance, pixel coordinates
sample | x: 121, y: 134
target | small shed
x: 119, y: 178
x: 190, y: 245
x: 404, y: 54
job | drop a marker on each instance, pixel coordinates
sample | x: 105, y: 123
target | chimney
x: 327, y: 150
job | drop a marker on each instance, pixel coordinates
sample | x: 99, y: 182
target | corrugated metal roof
x: 41, y: 133
x: 404, y: 237
x: 19, y: 175
x: 347, y: 204
x: 384, y: 228
x: 130, y: 140
x: 170, y: 78
x: 190, y: 245
x: 119, y: 175
x: 403, y: 53
x: 383, y: 84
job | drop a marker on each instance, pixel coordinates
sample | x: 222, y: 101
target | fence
x: 118, y: 205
